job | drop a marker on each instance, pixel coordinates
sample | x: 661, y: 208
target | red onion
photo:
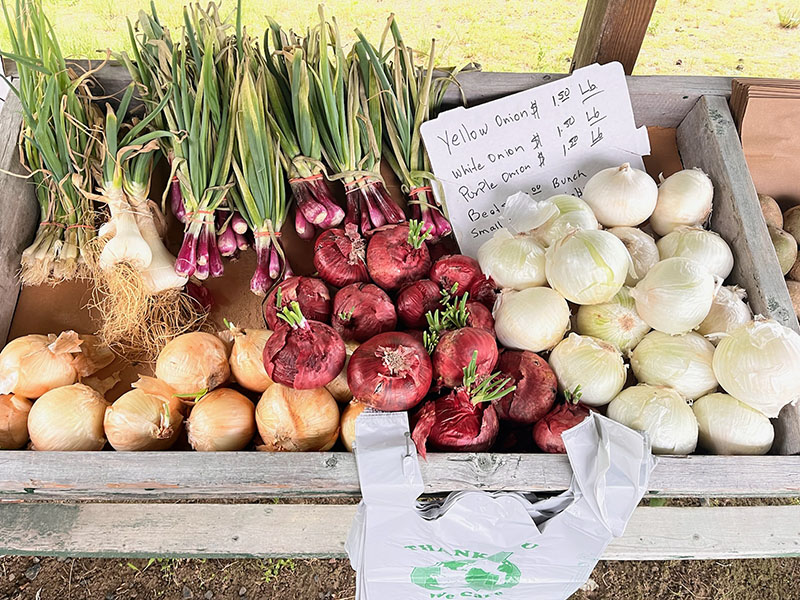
x: 480, y: 317
x: 392, y: 371
x: 456, y: 269
x: 547, y: 432
x: 454, y: 352
x: 340, y: 257
x: 361, y: 311
x: 453, y: 423
x: 416, y: 299
x: 398, y: 255
x: 536, y: 387
x: 303, y: 354
x: 484, y: 290
x: 309, y: 292
x: 200, y: 294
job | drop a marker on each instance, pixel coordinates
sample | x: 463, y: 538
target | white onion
x: 701, y: 245
x: 682, y: 362
x: 68, y: 418
x: 573, y: 215
x: 642, y: 248
x: 759, y: 363
x: 534, y: 319
x: 728, y: 426
x: 621, y: 196
x: 594, y: 365
x: 587, y: 267
x: 615, y: 321
x: 675, y: 295
x: 729, y: 310
x: 659, y: 411
x: 513, y: 261
x: 522, y: 214
x: 684, y: 198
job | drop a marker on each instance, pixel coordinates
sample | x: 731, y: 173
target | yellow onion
x: 68, y: 418
x: 338, y: 387
x: 193, y: 363
x: 34, y: 364
x: 247, y: 358
x: 297, y: 420
x: 149, y: 417
x: 13, y: 421
x: 347, y: 425
x: 223, y: 420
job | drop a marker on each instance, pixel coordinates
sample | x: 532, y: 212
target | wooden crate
x: 31, y: 523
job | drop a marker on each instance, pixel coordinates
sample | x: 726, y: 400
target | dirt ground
x: 30, y: 578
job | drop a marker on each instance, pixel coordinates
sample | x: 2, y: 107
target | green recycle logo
x: 487, y: 574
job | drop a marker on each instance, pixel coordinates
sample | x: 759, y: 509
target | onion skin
x: 297, y: 420
x: 479, y: 317
x: 485, y: 291
x: 547, y: 431
x: 415, y: 300
x: 455, y: 269
x: 222, y: 421
x: 193, y: 363
x: 309, y: 292
x: 536, y: 387
x: 306, y: 357
x: 361, y: 311
x: 68, y: 418
x: 392, y: 372
x: 347, y: 424
x: 247, y: 359
x: 340, y: 257
x: 14, y: 412
x: 454, y: 352
x: 392, y: 261
x: 453, y: 424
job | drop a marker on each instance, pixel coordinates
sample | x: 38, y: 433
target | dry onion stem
x: 135, y: 322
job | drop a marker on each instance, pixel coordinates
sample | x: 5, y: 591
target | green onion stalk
x: 126, y: 172
x: 289, y: 87
x: 409, y: 94
x: 261, y: 197
x: 198, y: 75
x: 58, y: 144
x: 347, y: 108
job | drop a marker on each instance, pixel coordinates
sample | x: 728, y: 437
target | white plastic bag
x: 489, y: 545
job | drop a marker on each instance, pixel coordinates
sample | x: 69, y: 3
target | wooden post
x: 612, y: 30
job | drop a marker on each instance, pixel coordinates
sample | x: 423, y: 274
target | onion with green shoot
x: 595, y: 366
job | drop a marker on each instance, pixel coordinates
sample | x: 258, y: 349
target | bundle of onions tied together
x: 58, y: 145
x: 290, y: 97
x: 409, y: 96
x: 347, y: 109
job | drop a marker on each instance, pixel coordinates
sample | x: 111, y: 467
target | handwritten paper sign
x: 544, y: 141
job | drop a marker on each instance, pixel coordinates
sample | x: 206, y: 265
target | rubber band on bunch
x: 80, y: 226
x: 359, y: 183
x: 314, y: 177
x: 258, y: 234
x: 54, y: 223
x: 203, y: 213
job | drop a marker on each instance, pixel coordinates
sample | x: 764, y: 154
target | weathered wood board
x: 162, y: 475
x: 304, y: 531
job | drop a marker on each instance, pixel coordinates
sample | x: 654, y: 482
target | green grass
x: 698, y: 37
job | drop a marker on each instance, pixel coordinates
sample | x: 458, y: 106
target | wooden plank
x: 258, y: 531
x: 20, y: 217
x: 612, y: 30
x: 707, y: 139
x: 163, y: 475
x: 658, y: 100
